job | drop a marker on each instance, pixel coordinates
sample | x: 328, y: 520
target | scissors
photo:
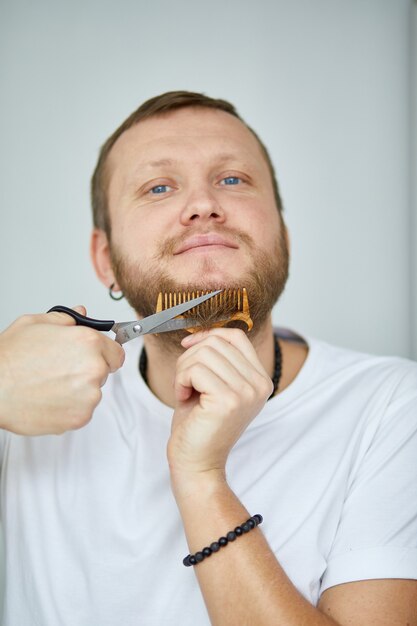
x: 162, y: 322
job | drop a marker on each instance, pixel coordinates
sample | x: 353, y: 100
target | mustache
x: 168, y: 246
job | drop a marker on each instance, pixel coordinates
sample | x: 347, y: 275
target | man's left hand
x: 220, y: 386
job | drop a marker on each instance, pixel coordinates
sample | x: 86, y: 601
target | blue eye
x: 231, y: 180
x: 158, y: 189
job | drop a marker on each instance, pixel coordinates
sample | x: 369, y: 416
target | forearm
x: 243, y: 583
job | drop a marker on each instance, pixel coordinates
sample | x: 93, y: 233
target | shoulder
x: 352, y: 377
x: 397, y: 375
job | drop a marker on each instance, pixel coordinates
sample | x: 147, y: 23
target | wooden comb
x: 235, y: 300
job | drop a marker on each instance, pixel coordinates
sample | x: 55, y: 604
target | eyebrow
x: 221, y: 158
x: 159, y: 163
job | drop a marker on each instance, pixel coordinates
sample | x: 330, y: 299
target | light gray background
x: 326, y: 83
x: 330, y: 86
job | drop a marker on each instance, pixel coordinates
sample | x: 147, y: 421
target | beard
x: 264, y: 282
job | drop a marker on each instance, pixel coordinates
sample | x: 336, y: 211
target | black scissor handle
x: 83, y: 320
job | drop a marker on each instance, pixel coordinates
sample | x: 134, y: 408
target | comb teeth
x: 234, y: 300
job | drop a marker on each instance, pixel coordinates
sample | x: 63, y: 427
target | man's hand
x: 51, y: 372
x: 220, y: 386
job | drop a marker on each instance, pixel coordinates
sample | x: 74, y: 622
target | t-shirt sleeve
x: 377, y: 532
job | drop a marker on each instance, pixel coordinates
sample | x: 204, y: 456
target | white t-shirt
x: 93, y: 534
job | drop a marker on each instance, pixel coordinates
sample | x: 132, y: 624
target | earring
x: 112, y: 296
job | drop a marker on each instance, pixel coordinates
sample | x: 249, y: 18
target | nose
x: 202, y: 205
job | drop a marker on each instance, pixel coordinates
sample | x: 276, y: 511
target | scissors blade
x: 151, y: 324
x: 175, y: 324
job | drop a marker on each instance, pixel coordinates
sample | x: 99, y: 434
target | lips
x: 209, y: 239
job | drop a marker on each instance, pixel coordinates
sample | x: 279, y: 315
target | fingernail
x: 187, y: 340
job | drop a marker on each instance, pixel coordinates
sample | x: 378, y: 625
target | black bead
x: 277, y: 367
x: 199, y: 556
x: 252, y: 522
x: 143, y: 365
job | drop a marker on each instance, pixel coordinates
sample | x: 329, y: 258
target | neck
x: 161, y: 362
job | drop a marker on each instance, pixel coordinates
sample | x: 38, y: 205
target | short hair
x: 160, y: 105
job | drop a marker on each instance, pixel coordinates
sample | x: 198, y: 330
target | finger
x: 113, y: 353
x: 230, y: 336
x: 62, y: 318
x: 200, y: 378
x: 104, y: 380
x: 80, y: 309
x: 218, y: 355
x: 219, y: 365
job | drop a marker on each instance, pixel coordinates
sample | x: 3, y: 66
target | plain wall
x: 325, y: 83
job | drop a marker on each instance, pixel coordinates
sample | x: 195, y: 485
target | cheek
x: 135, y: 229
x: 263, y: 224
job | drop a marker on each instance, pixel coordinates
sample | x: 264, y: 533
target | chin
x: 201, y: 282
x: 210, y: 277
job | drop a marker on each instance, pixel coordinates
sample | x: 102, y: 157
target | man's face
x: 192, y: 206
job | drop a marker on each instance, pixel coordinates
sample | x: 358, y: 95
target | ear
x: 101, y: 259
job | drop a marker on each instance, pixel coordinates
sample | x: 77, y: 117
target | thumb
x: 80, y: 309
x: 64, y: 318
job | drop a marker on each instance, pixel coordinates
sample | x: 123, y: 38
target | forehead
x: 188, y: 133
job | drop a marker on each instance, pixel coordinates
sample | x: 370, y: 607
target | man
x: 98, y: 520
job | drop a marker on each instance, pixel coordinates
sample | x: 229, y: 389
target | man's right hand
x: 51, y: 372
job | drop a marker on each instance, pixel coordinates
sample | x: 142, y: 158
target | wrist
x: 189, y: 484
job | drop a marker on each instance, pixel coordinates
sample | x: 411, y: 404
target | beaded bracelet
x: 193, y: 559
